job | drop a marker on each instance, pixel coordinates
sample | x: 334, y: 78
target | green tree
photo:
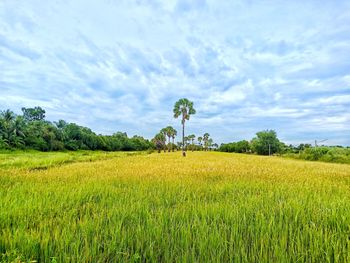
x: 183, y: 108
x: 191, y: 139
x: 266, y: 142
x: 186, y: 142
x: 173, y: 135
x: 205, y: 140
x: 139, y: 143
x: 17, y: 131
x: 60, y: 124
x: 42, y: 135
x: 33, y: 114
x: 164, y: 131
x: 169, y: 132
x: 11, y: 129
x: 210, y: 143
x: 179, y: 145
x: 242, y: 146
x: 8, y: 116
x: 200, y: 139
x: 159, y: 141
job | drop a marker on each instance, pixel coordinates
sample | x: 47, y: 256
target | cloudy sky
x: 120, y: 65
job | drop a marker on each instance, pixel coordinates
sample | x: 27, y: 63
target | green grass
x: 33, y: 160
x: 207, y: 207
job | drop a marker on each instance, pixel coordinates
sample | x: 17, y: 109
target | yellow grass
x: 162, y: 207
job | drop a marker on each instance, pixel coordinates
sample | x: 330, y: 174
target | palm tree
x: 173, y: 135
x: 191, y: 138
x: 199, y: 139
x: 170, y: 134
x: 184, y: 108
x: 8, y: 116
x: 11, y: 128
x: 210, y: 143
x: 158, y: 141
x: 205, y: 140
x: 18, y: 125
x: 164, y: 131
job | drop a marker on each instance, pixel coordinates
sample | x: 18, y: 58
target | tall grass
x: 35, y: 160
x: 213, y: 207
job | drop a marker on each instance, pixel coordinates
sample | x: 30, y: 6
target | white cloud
x: 121, y: 65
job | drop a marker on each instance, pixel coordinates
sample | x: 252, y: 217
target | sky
x: 121, y: 65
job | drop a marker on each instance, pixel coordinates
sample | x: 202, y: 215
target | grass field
x: 207, y: 207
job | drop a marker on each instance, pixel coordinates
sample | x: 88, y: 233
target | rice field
x: 207, y: 207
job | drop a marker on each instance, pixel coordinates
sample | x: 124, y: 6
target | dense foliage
x: 237, y: 147
x: 265, y: 143
x: 32, y: 131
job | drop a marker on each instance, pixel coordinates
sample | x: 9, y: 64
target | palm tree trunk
x: 183, y: 138
x: 169, y: 145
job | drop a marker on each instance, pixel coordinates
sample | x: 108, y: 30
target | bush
x: 324, y: 153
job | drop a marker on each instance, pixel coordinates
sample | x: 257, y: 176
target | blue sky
x: 121, y: 65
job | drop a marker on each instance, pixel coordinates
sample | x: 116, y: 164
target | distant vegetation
x: 161, y: 142
x: 32, y: 131
x: 334, y: 154
x: 267, y: 143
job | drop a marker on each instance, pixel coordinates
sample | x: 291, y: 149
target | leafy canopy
x: 184, y: 107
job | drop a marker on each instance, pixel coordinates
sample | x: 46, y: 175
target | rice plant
x: 208, y: 207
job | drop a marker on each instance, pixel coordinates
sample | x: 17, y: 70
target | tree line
x: 164, y: 141
x: 165, y: 138
x: 30, y: 130
x: 267, y: 143
x: 264, y: 143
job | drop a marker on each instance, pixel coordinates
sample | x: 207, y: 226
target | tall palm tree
x: 164, y: 131
x: 169, y: 133
x: 184, y: 108
x: 173, y: 135
x: 205, y: 140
